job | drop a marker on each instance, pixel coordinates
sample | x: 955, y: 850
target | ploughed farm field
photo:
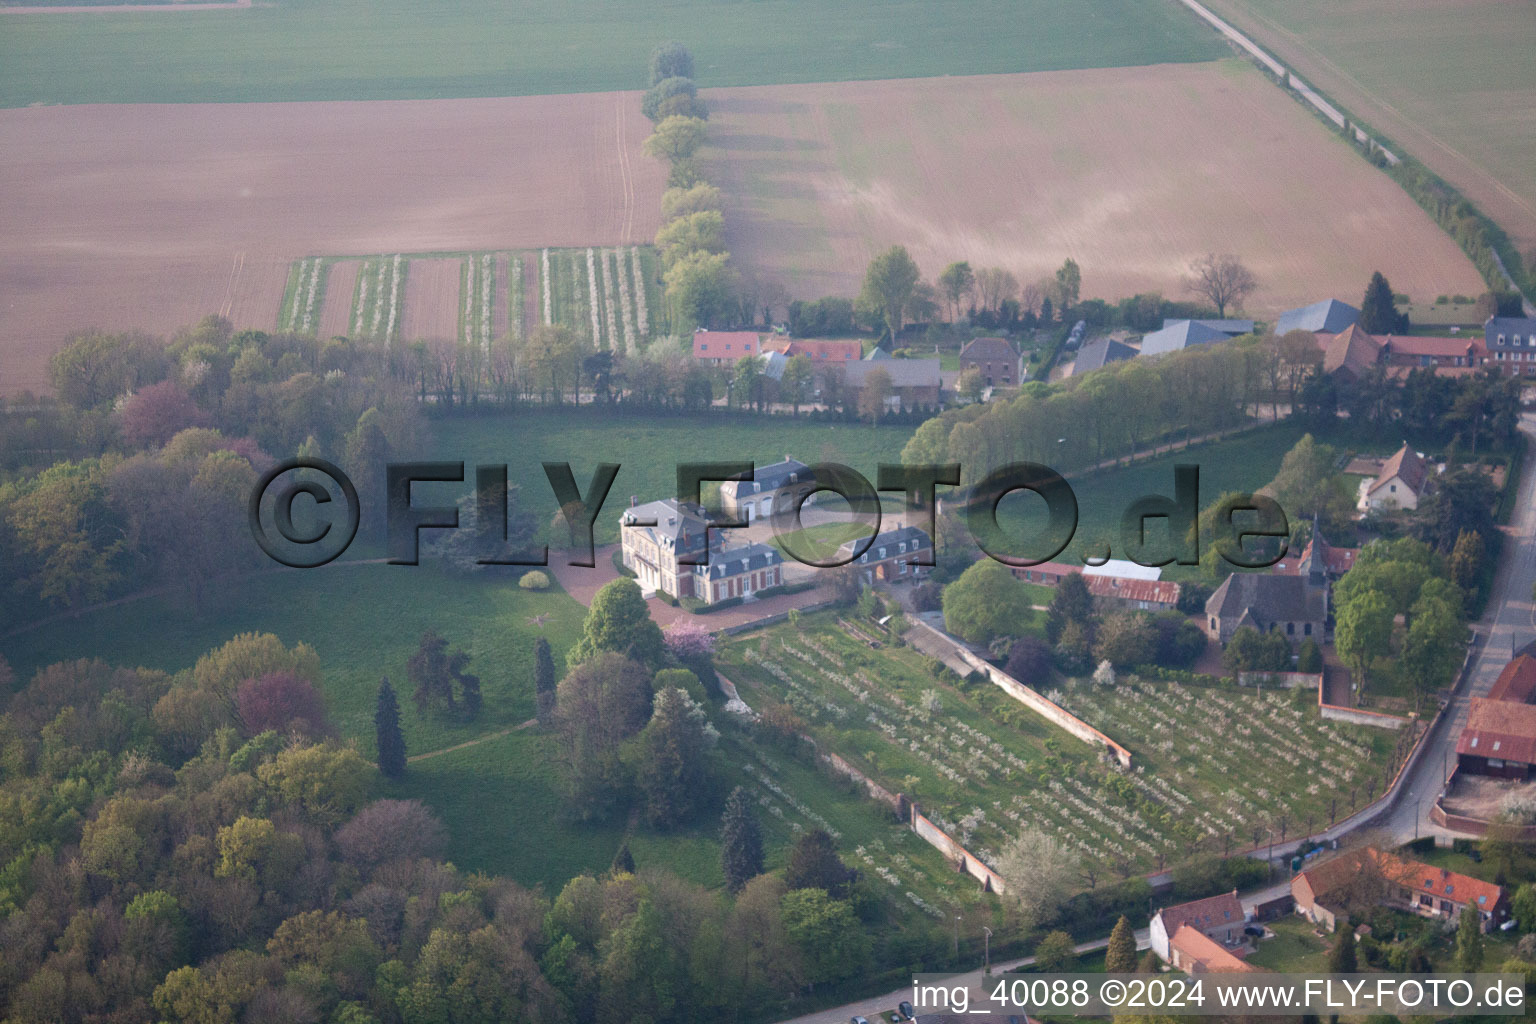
x: 1451, y: 84
x: 1133, y: 172
x: 152, y: 217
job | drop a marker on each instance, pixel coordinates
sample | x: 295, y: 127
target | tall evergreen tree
x: 623, y: 861
x: 1341, y: 958
x: 1469, y: 942
x: 1378, y: 313
x: 1120, y: 958
x: 741, y: 841
x: 387, y: 735
x: 544, y: 680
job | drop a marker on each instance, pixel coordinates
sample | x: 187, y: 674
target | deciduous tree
x: 888, y: 284
x: 813, y: 863
x: 985, y: 603
x: 1222, y: 280
x: 619, y: 621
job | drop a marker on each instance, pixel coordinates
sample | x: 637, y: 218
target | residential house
x: 1191, y: 952
x: 999, y: 362
x: 1294, y: 605
x: 1098, y: 354
x: 1499, y: 737
x: 1400, y: 484
x: 653, y: 538
x: 1046, y: 574
x: 741, y: 571
x: 1216, y: 918
x: 877, y: 354
x: 1327, y: 317
x: 892, y: 556
x: 1368, y: 877
x: 820, y: 350
x: 914, y: 382
x: 1231, y: 328
x: 1349, y: 354
x: 777, y: 487
x: 1511, y: 345
x: 1181, y: 334
x: 726, y: 347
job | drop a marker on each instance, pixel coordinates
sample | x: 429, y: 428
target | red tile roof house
x: 721, y: 347
x: 1369, y: 877
x: 842, y: 350
x: 1218, y: 919
x: 999, y: 362
x: 1432, y: 353
x: 1191, y: 952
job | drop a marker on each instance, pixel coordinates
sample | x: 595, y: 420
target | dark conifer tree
x: 544, y: 680
x: 741, y: 841
x: 387, y: 734
x: 623, y: 862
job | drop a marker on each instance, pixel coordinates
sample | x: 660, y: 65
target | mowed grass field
x: 400, y: 49
x: 1132, y: 172
x: 648, y: 450
x: 1453, y: 84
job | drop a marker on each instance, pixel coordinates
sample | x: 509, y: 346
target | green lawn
x: 1294, y: 949
x: 1245, y: 462
x: 648, y: 449
x: 399, y: 49
x: 364, y: 620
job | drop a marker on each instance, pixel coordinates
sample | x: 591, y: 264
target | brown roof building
x: 1216, y: 918
x: 819, y: 350
x: 1400, y: 484
x: 1350, y: 353
x: 1368, y: 877
x: 1191, y: 952
x: 999, y: 362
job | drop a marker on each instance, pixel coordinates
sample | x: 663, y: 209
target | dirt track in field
x: 1133, y: 172
x: 153, y: 216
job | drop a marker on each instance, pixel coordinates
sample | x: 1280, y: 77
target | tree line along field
x: 611, y: 294
x: 1452, y: 84
x: 349, y: 49
x: 1133, y: 172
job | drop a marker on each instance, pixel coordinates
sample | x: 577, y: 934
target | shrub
x: 534, y: 580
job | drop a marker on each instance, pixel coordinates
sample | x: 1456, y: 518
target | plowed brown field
x: 153, y: 216
x: 1133, y: 172
x: 432, y: 299
x: 340, y: 286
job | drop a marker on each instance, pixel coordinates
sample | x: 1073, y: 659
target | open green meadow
x: 398, y: 49
x: 364, y: 619
x: 648, y: 449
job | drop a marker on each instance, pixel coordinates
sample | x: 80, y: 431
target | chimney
x: 634, y: 500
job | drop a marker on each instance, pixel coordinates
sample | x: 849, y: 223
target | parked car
x: 905, y: 1009
x: 859, y: 1020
